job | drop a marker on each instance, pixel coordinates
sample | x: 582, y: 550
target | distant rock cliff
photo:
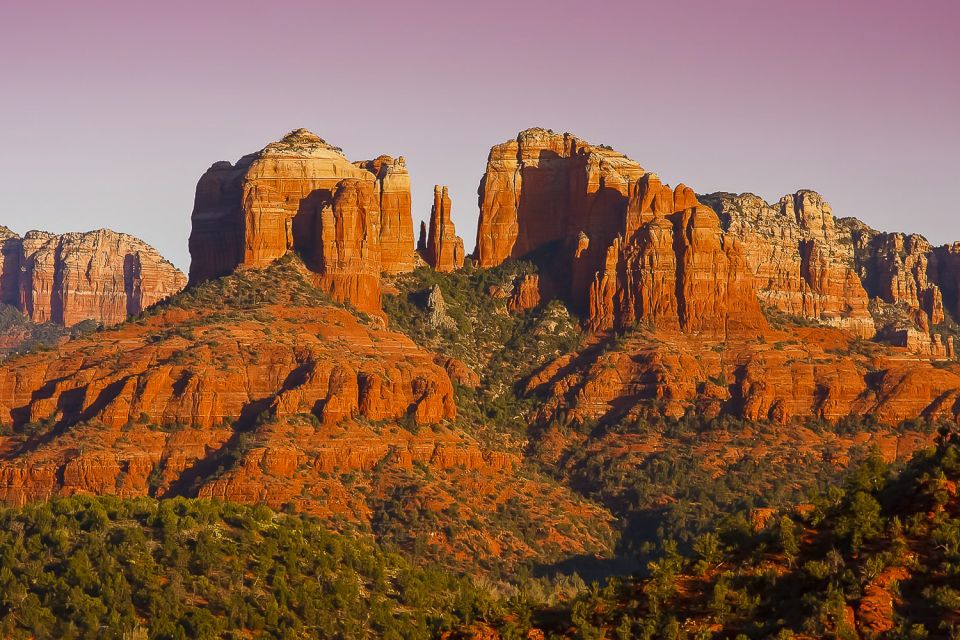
x: 100, y: 275
x: 800, y: 258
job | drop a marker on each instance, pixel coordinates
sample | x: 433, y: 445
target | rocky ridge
x: 102, y: 275
x: 626, y: 247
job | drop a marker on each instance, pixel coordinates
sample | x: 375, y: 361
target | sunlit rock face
x: 350, y: 221
x: 100, y: 275
x: 627, y: 248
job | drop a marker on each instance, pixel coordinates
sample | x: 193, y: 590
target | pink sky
x: 112, y: 110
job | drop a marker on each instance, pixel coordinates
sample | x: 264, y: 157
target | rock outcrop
x: 627, y: 248
x: 302, y: 194
x: 392, y: 190
x: 904, y: 274
x: 542, y: 187
x: 444, y: 248
x: 794, y: 374
x: 346, y: 251
x: 101, y: 275
x: 526, y: 294
x: 800, y: 259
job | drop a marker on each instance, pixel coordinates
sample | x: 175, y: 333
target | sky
x: 111, y: 110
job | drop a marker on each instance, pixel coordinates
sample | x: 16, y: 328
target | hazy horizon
x: 113, y: 111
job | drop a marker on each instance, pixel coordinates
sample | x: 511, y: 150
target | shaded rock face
x: 800, y: 259
x: 904, y: 270
x: 543, y: 186
x: 443, y: 248
x: 285, y: 198
x: 843, y: 273
x: 101, y: 275
x: 526, y: 294
x: 795, y: 374
x: 630, y: 248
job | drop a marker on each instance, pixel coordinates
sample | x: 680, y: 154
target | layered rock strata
x: 800, y: 259
x: 392, y: 191
x: 101, y: 275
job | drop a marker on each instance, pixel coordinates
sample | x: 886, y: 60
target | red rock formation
x: 281, y: 198
x: 542, y: 187
x: 796, y: 374
x: 637, y: 250
x: 948, y: 276
x: 444, y: 248
x: 347, y: 247
x: 255, y: 389
x: 800, y: 259
x: 11, y: 250
x: 422, y: 241
x: 100, y: 275
x: 308, y: 360
x: 526, y: 294
x: 392, y: 190
x: 674, y: 269
x: 901, y: 270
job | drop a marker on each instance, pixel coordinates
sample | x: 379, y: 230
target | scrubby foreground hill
x: 879, y: 557
x: 201, y: 569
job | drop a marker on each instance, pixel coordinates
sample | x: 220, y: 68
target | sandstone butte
x: 441, y: 247
x: 628, y: 249
x: 350, y: 221
x: 101, y: 275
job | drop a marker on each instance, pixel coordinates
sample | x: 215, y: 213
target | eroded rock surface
x: 349, y: 221
x: 443, y: 249
x: 101, y: 275
x: 800, y: 259
x: 626, y: 247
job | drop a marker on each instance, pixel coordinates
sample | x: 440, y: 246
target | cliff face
x: 285, y: 198
x: 630, y: 248
x: 346, y: 248
x: 100, y: 275
x: 842, y: 273
x: 542, y: 187
x: 800, y: 259
x: 392, y: 191
x: 443, y: 248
